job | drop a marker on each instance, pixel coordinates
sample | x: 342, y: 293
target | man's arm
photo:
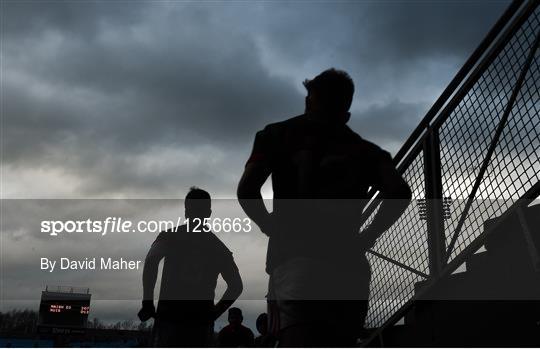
x: 231, y: 275
x: 249, y: 194
x: 222, y: 338
x: 250, y: 338
x: 396, y: 196
x: 150, y: 271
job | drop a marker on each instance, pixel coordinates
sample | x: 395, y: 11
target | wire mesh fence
x: 405, y: 242
x: 467, y: 130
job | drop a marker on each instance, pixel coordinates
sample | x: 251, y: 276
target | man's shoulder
x: 171, y: 232
x: 171, y: 235
x: 212, y: 237
x: 247, y: 330
x: 225, y: 330
x: 284, y: 124
x: 216, y: 243
x: 365, y: 146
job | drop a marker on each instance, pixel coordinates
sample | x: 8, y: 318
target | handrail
x: 413, y: 145
x: 529, y: 196
x: 473, y: 69
x: 67, y: 289
x: 458, y: 79
x: 494, y: 141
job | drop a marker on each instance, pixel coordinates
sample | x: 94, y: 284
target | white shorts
x: 304, y: 290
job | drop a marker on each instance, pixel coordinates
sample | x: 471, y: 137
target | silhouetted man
x: 193, y: 260
x: 321, y: 172
x: 265, y: 339
x: 235, y: 335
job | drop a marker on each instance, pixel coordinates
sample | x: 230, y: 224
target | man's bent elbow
x: 400, y: 195
x: 235, y: 290
x: 404, y: 194
x: 246, y: 190
x: 400, y: 191
x: 151, y: 262
x: 238, y: 288
x: 241, y: 191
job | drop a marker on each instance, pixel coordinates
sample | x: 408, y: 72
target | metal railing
x: 479, y: 146
x: 67, y: 289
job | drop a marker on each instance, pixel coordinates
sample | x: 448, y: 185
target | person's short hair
x: 235, y: 311
x: 333, y: 88
x: 197, y: 193
x: 262, y: 322
x: 197, y: 199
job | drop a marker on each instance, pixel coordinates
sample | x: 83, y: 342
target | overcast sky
x: 145, y: 99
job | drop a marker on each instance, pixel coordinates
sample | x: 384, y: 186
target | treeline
x: 120, y: 325
x: 19, y: 321
x: 25, y: 321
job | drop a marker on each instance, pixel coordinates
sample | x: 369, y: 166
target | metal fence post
x: 434, y: 203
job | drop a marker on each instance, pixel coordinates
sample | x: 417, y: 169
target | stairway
x: 495, y: 302
x: 478, y: 140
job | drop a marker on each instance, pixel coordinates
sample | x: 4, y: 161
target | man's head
x: 235, y: 316
x: 197, y: 203
x: 262, y: 324
x: 330, y: 92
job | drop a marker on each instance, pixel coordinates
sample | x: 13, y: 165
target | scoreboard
x: 68, y: 307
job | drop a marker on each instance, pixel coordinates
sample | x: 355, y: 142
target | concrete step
x: 501, y: 266
x: 485, y: 284
x: 473, y: 323
x: 461, y: 286
x: 509, y: 239
x: 496, y: 302
x: 399, y: 336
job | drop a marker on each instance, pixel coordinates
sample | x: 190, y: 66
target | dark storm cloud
x: 93, y: 95
x: 383, y: 124
x: 96, y: 88
x: 396, y: 32
x: 144, y: 99
x: 435, y: 29
x: 140, y: 83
